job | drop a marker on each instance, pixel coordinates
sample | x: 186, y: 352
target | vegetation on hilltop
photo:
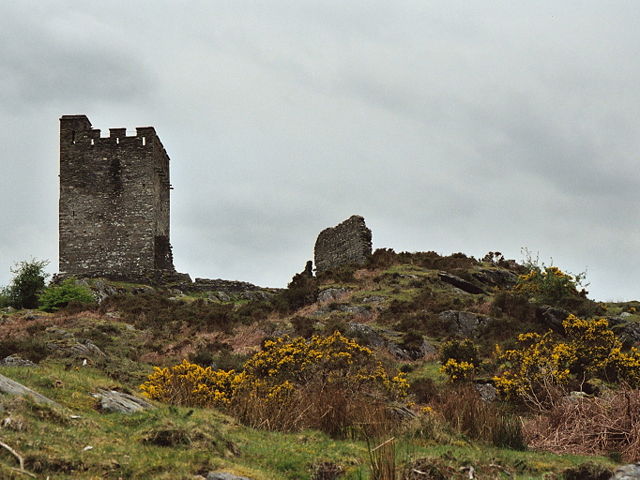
x: 416, y: 361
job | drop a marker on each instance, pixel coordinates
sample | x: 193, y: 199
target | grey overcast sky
x: 469, y: 125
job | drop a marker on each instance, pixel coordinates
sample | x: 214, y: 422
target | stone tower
x: 114, y: 204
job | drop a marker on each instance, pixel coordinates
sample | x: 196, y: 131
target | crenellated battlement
x: 77, y: 130
x: 114, y: 202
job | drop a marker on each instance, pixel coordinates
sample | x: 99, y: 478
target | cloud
x: 470, y: 126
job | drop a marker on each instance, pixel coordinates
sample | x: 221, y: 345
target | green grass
x: 54, y: 444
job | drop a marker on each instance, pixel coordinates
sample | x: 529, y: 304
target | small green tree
x: 55, y: 297
x: 28, y: 281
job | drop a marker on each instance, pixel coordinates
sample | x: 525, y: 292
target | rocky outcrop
x: 552, y: 317
x: 119, y: 402
x: 16, y: 361
x: 65, y: 345
x: 332, y: 294
x: 224, y: 476
x: 496, y: 277
x: 464, y: 324
x: 460, y: 283
x: 390, y: 341
x: 11, y: 387
x: 627, y: 330
x: 348, y: 243
x: 627, y: 472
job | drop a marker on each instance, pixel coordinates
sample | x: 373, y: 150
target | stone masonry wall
x: 348, y: 243
x: 114, y: 203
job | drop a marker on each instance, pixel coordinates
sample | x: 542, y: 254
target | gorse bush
x: 191, y: 385
x: 549, y: 285
x: 459, y: 359
x: 543, y: 365
x: 329, y: 383
x: 55, y: 297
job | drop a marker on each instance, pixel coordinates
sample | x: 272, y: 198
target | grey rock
x: 119, y: 402
x: 363, y: 311
x: 375, y: 338
x: 224, y: 476
x: 373, y: 299
x: 627, y: 472
x: 460, y: 283
x: 628, y: 332
x: 496, y: 277
x: 100, y: 288
x: 11, y: 387
x: 487, y: 391
x: 60, y: 333
x: 256, y: 295
x: 85, y: 349
x: 427, y: 348
x: 552, y: 317
x: 367, y: 333
x: 331, y: 294
x: 222, y: 296
x: 465, y: 324
x: 16, y: 361
x: 82, y: 348
x: 625, y: 314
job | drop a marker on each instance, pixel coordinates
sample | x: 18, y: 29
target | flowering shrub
x: 458, y: 371
x: 191, y: 385
x: 542, y: 364
x: 459, y: 359
x: 323, y: 382
x: 548, y: 284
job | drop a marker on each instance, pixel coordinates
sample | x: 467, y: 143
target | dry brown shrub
x: 466, y: 412
x: 590, y: 426
x: 318, y: 405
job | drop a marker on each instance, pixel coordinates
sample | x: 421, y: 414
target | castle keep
x: 114, y: 203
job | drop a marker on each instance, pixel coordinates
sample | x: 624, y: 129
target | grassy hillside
x: 404, y: 307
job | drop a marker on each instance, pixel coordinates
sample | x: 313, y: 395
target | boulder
x: 464, y: 324
x: 552, y: 317
x: 460, y: 283
x: 224, y: 476
x: 496, y: 277
x: 79, y: 349
x: 331, y: 294
x: 627, y: 331
x: 119, y: 402
x: 366, y: 333
x: 627, y: 472
x: 16, y: 361
x: 11, y: 387
x: 487, y: 391
x: 373, y: 299
x: 375, y: 339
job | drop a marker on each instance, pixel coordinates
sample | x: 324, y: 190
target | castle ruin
x: 348, y: 243
x: 114, y: 204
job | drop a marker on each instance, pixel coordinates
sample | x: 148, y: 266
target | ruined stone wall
x: 114, y: 203
x: 348, y: 243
